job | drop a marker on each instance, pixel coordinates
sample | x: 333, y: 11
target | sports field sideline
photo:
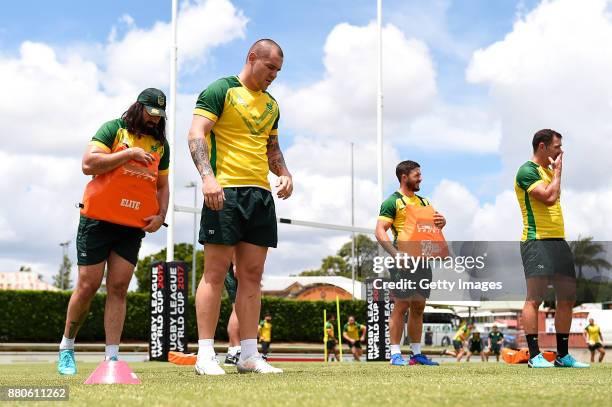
x: 346, y: 384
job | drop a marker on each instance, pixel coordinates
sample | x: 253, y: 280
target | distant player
x: 546, y: 256
x: 354, y: 334
x: 592, y: 334
x: 475, y: 347
x: 331, y: 343
x: 459, y: 340
x: 233, y: 330
x: 496, y: 339
x: 265, y: 335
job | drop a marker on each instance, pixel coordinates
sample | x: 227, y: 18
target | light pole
x: 194, y: 185
x: 63, y: 269
x: 353, y: 219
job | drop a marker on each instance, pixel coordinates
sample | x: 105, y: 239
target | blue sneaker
x: 569, y: 361
x: 398, y: 360
x: 421, y: 359
x: 66, y: 363
x: 539, y: 362
x: 113, y: 359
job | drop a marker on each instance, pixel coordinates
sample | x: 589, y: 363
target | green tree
x: 63, y: 274
x: 587, y: 254
x: 182, y: 252
x: 365, y: 251
x: 330, y: 266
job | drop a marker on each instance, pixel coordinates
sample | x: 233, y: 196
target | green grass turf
x: 317, y: 384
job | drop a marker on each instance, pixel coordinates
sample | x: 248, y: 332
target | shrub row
x: 39, y: 316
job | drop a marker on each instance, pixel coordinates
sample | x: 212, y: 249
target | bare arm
x: 198, y: 147
x: 383, y: 238
x: 549, y: 193
x: 276, y: 161
x: 163, y: 195
x: 96, y: 161
x: 277, y: 165
x: 213, y: 193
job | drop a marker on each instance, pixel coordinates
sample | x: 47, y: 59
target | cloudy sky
x: 466, y: 84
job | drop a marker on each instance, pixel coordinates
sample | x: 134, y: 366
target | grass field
x: 348, y: 384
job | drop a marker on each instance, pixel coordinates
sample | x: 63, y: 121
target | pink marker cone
x: 113, y: 372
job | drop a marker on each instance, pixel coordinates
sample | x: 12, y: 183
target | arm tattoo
x: 276, y: 161
x: 199, y: 154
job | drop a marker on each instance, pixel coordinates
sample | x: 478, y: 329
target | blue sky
x: 452, y: 32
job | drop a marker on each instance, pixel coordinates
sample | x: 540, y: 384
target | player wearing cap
x: 128, y: 196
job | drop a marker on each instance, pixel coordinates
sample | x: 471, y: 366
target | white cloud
x: 584, y: 214
x: 552, y: 71
x: 343, y: 103
x: 456, y: 128
x: 141, y: 58
x: 58, y: 97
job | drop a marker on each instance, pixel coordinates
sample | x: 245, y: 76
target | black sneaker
x: 231, y: 360
x: 264, y: 356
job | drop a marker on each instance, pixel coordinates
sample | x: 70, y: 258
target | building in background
x: 315, y: 288
x: 24, y: 280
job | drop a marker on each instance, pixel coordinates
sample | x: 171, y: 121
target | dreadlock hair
x: 135, y: 123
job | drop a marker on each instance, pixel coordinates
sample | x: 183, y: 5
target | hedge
x: 39, y: 316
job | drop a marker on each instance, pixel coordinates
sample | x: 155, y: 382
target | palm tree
x: 586, y: 254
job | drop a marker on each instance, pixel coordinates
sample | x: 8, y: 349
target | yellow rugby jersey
x: 352, y: 331
x: 539, y: 221
x: 594, y: 333
x: 244, y: 121
x: 265, y: 331
x: 393, y: 209
x: 330, y: 330
x: 462, y: 333
x: 114, y: 133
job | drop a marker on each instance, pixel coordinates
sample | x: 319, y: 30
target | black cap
x: 154, y: 101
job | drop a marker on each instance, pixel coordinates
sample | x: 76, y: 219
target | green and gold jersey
x: 594, y: 333
x: 114, y: 133
x: 244, y: 121
x: 393, y: 210
x: 329, y: 327
x: 462, y: 333
x: 495, y: 337
x: 265, y: 331
x: 353, y: 331
x: 539, y: 220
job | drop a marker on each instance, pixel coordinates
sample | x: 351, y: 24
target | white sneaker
x: 208, y: 366
x: 255, y: 363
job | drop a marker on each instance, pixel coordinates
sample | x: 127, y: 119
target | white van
x: 441, y: 323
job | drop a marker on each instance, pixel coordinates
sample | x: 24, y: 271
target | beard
x: 412, y: 186
x: 149, y: 128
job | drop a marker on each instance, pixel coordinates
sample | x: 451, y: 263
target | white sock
x: 395, y: 349
x: 416, y: 348
x: 206, y: 348
x: 67, y: 343
x: 248, y: 348
x: 233, y: 350
x: 111, y: 350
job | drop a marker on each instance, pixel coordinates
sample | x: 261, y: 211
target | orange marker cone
x: 113, y: 372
